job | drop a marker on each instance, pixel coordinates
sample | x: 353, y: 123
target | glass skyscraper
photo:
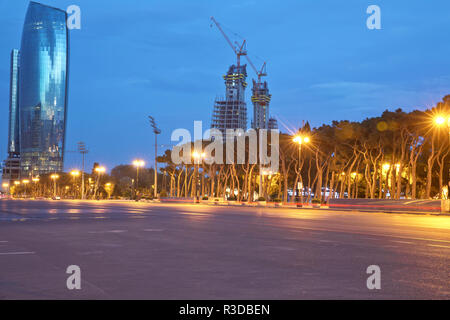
x: 13, y: 134
x: 43, y: 81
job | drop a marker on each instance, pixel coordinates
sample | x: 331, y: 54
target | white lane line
x: 153, y: 230
x: 3, y: 241
x: 108, y: 231
x: 438, y: 246
x: 16, y: 253
x: 192, y: 213
x: 405, y: 242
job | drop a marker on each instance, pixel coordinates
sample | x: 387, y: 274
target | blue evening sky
x: 136, y: 58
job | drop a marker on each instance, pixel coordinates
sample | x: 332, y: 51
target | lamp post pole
x: 82, y: 149
x: 300, y: 140
x: 156, y: 131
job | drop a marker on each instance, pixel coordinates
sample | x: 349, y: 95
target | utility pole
x: 82, y: 149
x: 156, y: 131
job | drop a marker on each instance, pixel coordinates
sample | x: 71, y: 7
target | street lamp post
x: 75, y: 174
x: 54, y: 177
x: 99, y: 171
x: 198, y: 157
x: 137, y: 164
x: 35, y: 188
x: 441, y: 121
x: 156, y: 131
x: 5, y: 185
x: 83, y: 150
x: 300, y: 140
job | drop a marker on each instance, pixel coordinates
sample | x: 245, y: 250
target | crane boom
x: 261, y: 73
x: 238, y: 50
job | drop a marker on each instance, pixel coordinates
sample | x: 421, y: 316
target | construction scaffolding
x: 231, y: 112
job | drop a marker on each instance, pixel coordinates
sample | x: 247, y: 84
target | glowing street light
x: 99, y: 171
x: 299, y: 139
x: 75, y: 174
x: 198, y: 157
x: 441, y: 121
x: 54, y: 177
x: 138, y: 164
x: 5, y: 186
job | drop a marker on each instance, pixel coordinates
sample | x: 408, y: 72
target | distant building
x: 272, y: 124
x: 231, y: 112
x: 261, y: 100
x: 39, y: 79
x: 11, y: 166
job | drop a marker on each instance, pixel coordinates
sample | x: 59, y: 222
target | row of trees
x: 396, y: 155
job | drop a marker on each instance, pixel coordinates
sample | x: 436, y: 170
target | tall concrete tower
x: 261, y: 100
x: 231, y: 112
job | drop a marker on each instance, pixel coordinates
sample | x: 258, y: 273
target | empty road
x: 129, y: 250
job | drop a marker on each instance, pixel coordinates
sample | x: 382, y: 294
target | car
x: 56, y: 198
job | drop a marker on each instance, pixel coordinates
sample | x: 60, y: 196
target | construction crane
x: 261, y: 73
x: 239, y: 50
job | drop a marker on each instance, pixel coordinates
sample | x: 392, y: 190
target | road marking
x: 296, y: 229
x: 398, y: 241
x: 108, y: 231
x: 438, y: 246
x: 16, y: 253
x: 192, y: 213
x: 3, y: 241
x: 153, y: 230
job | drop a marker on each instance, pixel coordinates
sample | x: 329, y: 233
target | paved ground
x: 180, y: 251
x: 388, y: 205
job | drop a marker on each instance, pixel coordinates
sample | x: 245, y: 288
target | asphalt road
x: 185, y: 251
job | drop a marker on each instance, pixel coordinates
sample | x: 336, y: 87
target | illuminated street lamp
x: 54, y: 177
x: 138, y: 164
x: 25, y: 182
x: 109, y: 189
x: 444, y: 121
x: 5, y: 186
x: 99, y: 171
x: 35, y: 181
x: 299, y: 139
x: 75, y: 174
x: 198, y: 158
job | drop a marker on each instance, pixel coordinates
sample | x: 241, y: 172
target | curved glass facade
x: 43, y: 77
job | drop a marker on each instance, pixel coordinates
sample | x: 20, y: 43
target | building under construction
x: 261, y: 101
x: 231, y: 112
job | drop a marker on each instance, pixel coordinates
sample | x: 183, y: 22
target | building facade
x: 261, y: 100
x: 43, y: 81
x: 272, y: 124
x: 11, y: 166
x: 231, y: 112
